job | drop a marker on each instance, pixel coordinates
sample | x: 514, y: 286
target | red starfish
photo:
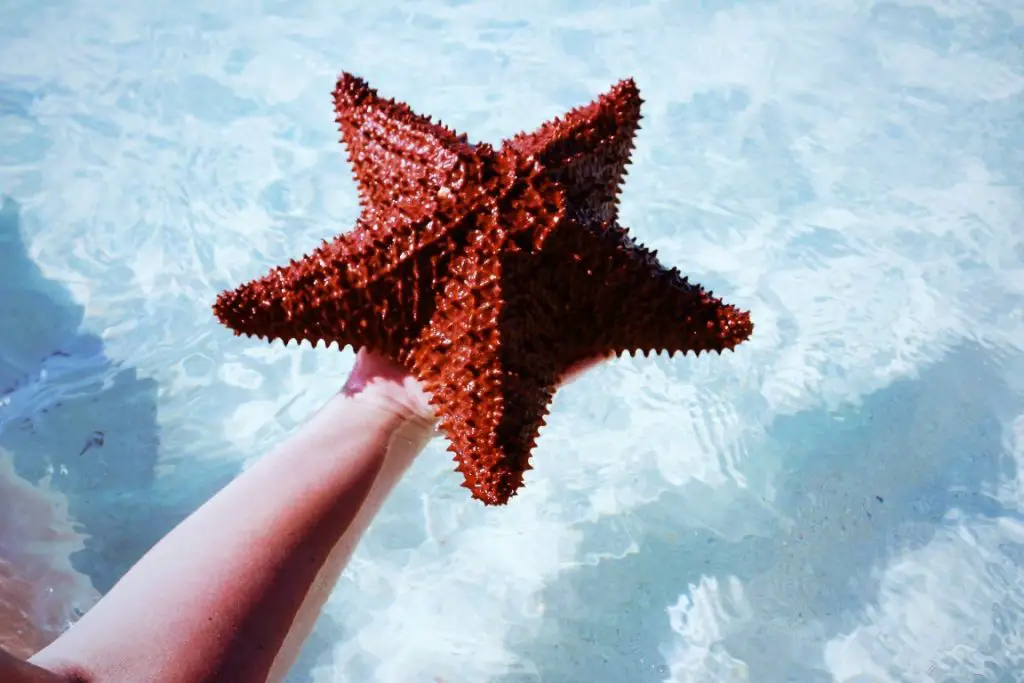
x: 486, y: 273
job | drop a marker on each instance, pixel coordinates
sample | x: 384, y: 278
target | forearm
x: 261, y: 553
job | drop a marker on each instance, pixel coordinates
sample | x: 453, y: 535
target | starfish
x: 486, y: 273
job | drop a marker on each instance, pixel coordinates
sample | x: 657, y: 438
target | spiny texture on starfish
x: 486, y: 272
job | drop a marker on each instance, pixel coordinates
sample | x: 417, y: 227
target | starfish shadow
x: 86, y: 422
x: 858, y: 488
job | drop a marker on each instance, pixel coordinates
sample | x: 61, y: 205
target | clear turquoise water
x: 840, y: 500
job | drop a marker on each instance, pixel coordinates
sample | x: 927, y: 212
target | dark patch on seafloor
x: 64, y: 395
x: 88, y: 420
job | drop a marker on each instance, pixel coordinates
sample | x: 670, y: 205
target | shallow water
x: 838, y: 501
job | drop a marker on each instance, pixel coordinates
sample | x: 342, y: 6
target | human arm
x: 232, y: 591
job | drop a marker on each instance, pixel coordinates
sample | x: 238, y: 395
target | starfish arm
x: 339, y: 293
x: 675, y: 315
x: 406, y: 165
x: 589, y: 148
x: 489, y: 380
x: 634, y: 304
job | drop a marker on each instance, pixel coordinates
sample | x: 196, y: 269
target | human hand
x: 387, y: 383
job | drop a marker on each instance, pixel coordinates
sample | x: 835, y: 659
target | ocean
x: 840, y: 500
